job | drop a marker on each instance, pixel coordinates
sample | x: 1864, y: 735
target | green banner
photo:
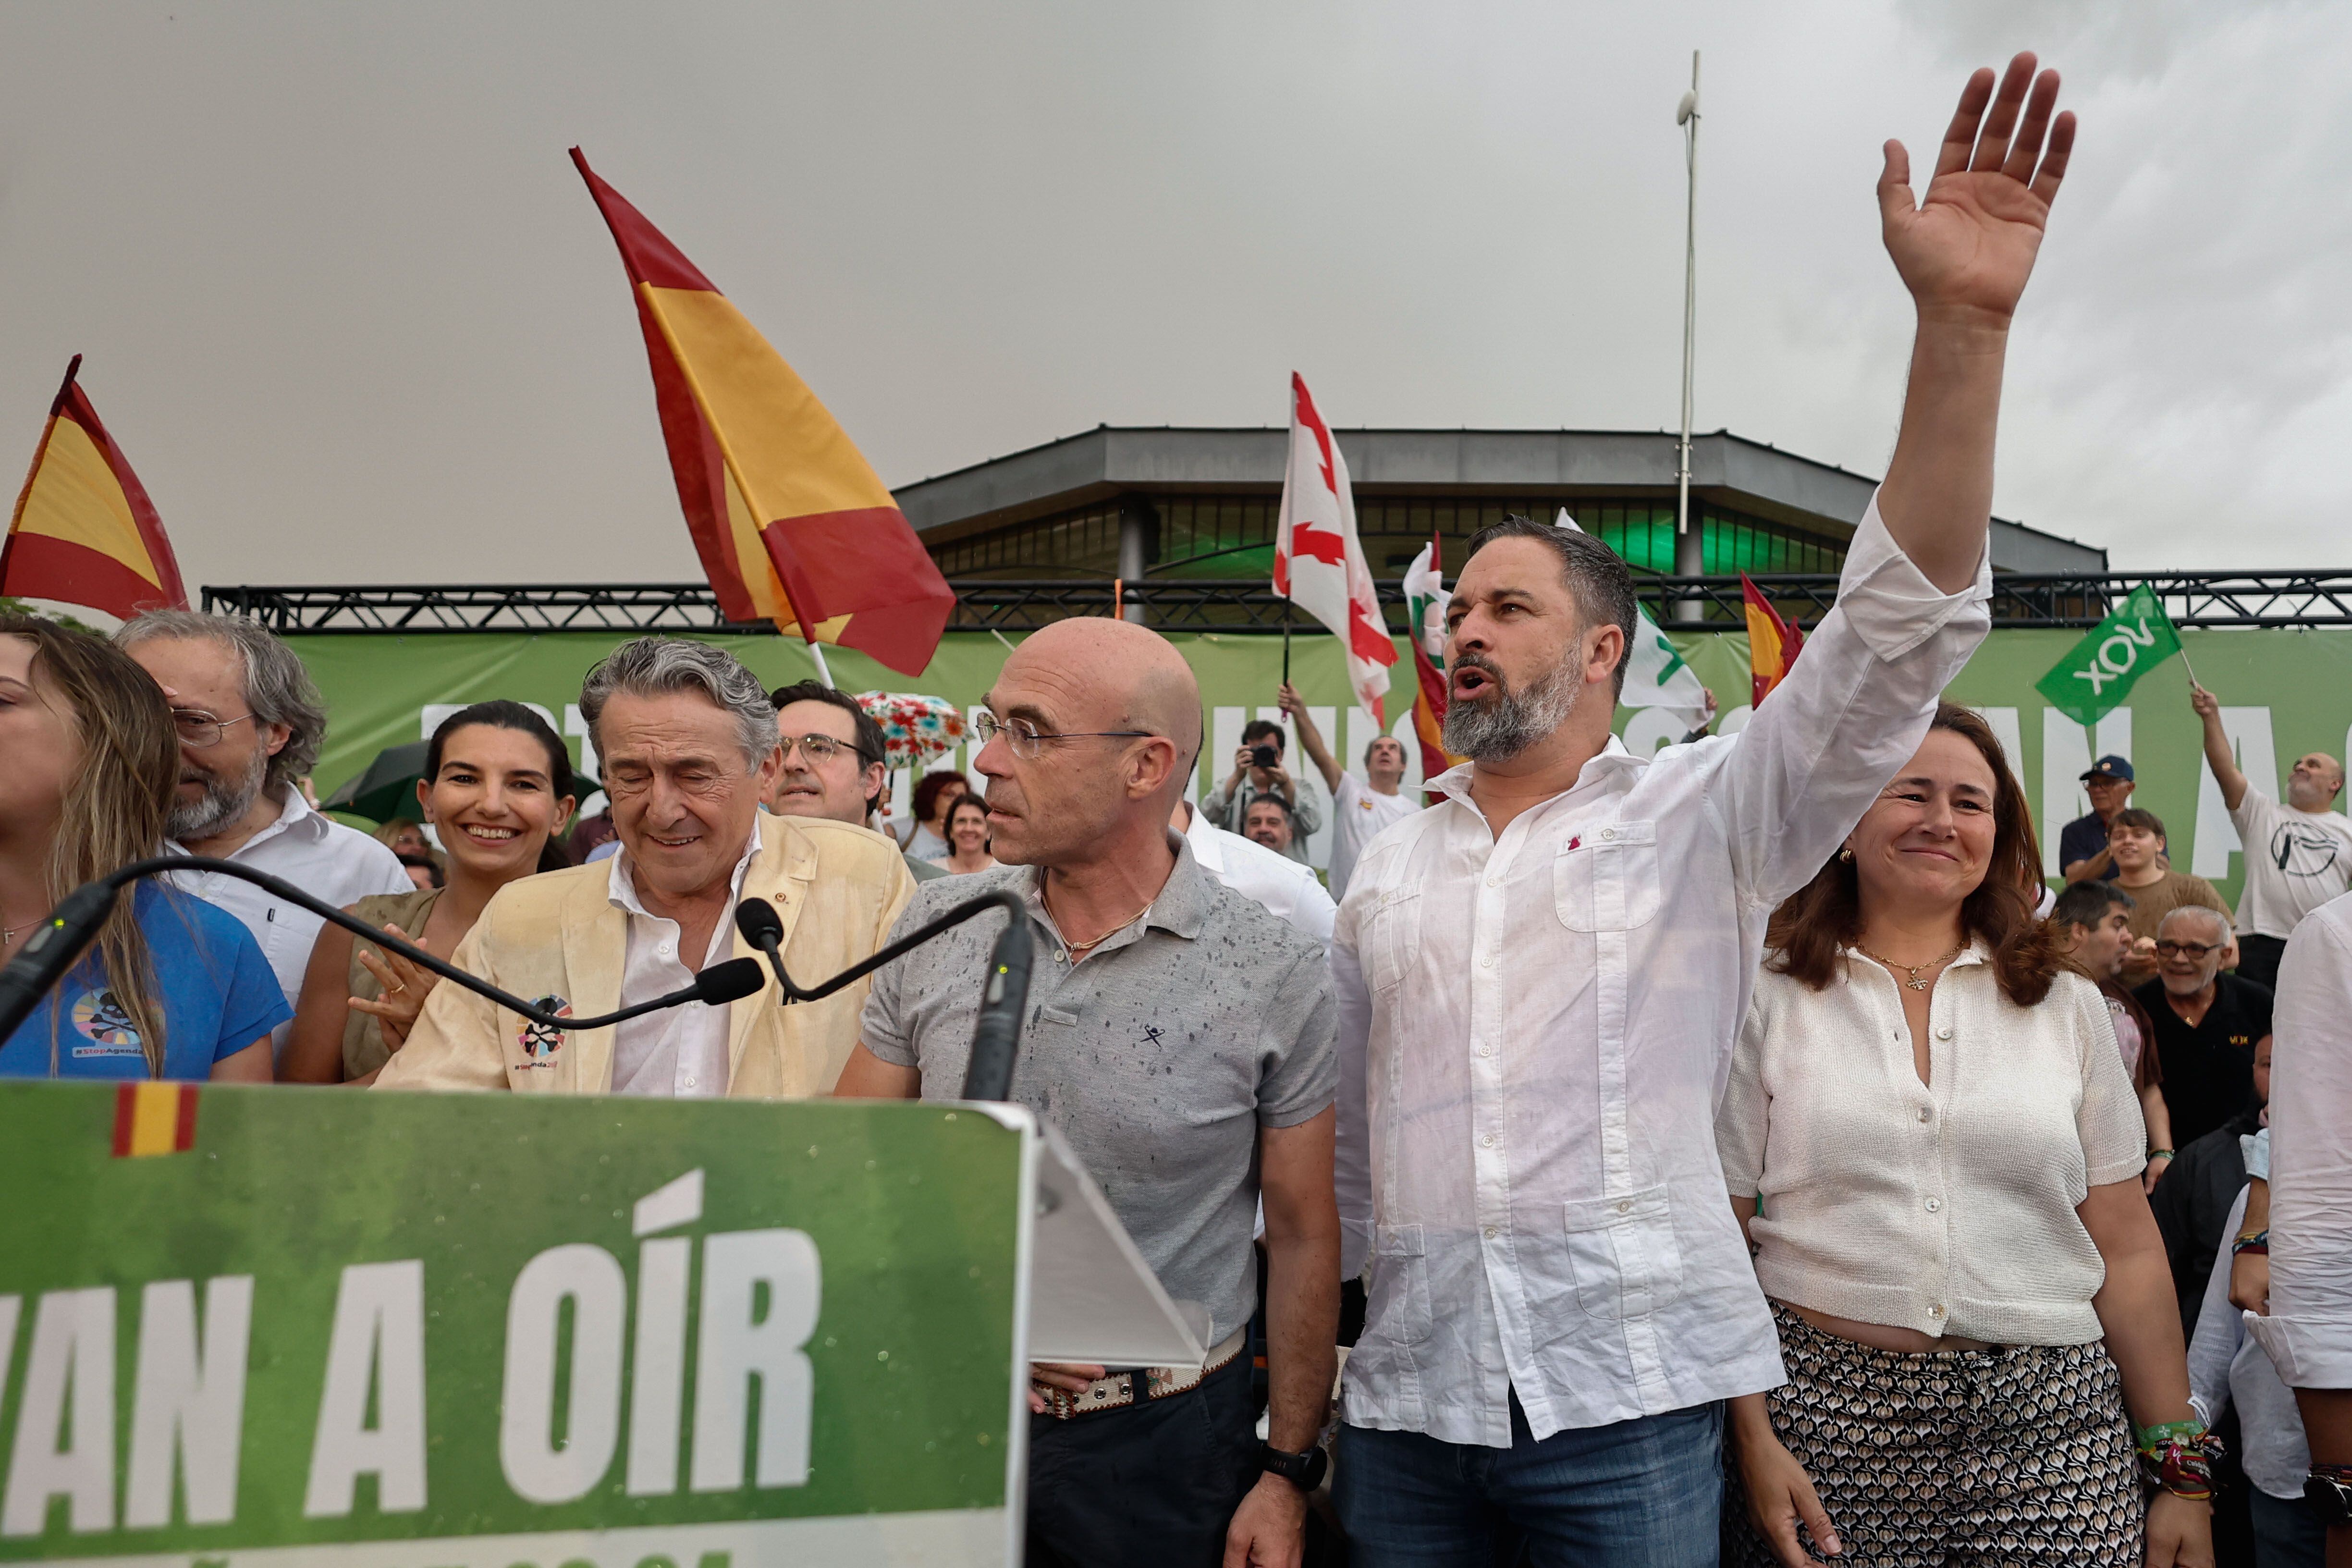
x: 2098, y: 673
x: 245, y: 1326
x: 2284, y: 693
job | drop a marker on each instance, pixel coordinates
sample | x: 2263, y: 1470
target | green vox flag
x: 2098, y: 673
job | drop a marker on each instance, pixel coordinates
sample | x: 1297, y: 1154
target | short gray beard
x: 223, y: 804
x: 1501, y: 727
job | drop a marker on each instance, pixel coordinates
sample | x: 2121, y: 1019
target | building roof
x: 1727, y: 469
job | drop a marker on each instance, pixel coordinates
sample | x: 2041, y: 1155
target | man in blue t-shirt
x: 2083, y: 843
x: 215, y: 993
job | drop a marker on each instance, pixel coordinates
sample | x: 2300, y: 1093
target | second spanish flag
x: 793, y: 524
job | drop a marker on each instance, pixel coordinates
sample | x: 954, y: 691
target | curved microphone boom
x: 73, y: 925
x: 995, y: 1035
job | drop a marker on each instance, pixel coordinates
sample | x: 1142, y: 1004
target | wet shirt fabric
x: 1160, y: 1057
x: 214, y: 990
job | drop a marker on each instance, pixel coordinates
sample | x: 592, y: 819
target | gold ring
x: 400, y: 985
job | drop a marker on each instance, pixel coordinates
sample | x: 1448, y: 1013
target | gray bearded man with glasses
x: 250, y: 724
x: 1179, y: 1036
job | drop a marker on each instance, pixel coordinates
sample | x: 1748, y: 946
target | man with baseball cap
x: 2083, y: 843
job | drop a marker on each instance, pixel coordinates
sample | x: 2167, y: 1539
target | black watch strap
x: 2329, y: 1495
x: 1303, y: 1471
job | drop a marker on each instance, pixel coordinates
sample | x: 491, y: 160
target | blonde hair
x: 118, y: 795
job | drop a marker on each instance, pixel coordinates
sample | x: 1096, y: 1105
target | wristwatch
x: 1303, y: 1471
x: 2328, y: 1489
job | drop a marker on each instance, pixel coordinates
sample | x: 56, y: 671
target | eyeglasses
x: 820, y: 749
x: 1027, y: 740
x: 2186, y: 949
x: 200, y: 729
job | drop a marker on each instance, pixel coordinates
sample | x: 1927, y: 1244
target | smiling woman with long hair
x: 498, y: 786
x: 1931, y: 1141
x: 173, y: 987
x: 967, y: 837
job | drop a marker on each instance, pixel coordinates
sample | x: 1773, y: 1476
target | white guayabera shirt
x: 1533, y: 1030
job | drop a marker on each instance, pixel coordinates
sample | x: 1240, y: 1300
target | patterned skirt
x: 2015, y: 1456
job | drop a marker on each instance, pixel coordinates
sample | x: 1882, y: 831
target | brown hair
x: 116, y: 797
x: 1810, y: 930
x: 2137, y: 816
x: 931, y: 785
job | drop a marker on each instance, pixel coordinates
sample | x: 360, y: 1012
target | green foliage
x: 9, y: 606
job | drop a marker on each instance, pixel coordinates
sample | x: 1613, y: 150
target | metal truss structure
x: 2190, y: 598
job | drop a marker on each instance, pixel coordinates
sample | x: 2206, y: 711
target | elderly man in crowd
x: 1360, y: 810
x: 1180, y: 1037
x: 251, y: 722
x: 688, y: 744
x: 1289, y: 891
x: 2083, y: 843
x: 1542, y: 977
x: 2298, y: 853
x: 833, y: 761
x: 1254, y: 776
x: 1268, y: 821
x: 2205, y: 1022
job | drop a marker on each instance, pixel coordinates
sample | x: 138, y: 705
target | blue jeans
x: 2287, y: 1534
x: 1638, y: 1494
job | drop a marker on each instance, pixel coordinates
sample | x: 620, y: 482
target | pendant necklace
x: 1912, y: 971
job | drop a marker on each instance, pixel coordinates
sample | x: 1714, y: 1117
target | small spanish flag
x: 84, y: 531
x: 791, y: 523
x: 154, y: 1118
x: 1772, y: 643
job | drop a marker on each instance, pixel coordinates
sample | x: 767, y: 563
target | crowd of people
x: 1720, y: 1155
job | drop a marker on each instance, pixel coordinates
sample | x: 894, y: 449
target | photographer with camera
x: 1258, y: 771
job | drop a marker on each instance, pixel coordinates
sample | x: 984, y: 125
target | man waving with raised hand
x: 1542, y: 977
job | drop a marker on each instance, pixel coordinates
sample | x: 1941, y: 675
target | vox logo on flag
x: 792, y: 525
x: 2098, y: 673
x: 1318, y: 563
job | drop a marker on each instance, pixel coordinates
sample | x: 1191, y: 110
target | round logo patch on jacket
x: 540, y: 1042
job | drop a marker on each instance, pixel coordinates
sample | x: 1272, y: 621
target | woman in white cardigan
x: 1975, y: 1310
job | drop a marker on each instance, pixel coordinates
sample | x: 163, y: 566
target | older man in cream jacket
x: 689, y: 746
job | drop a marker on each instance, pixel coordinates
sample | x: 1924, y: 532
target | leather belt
x: 1117, y: 1391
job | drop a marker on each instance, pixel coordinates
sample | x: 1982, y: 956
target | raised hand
x: 1966, y: 251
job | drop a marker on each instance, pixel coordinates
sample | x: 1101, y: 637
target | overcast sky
x: 352, y: 317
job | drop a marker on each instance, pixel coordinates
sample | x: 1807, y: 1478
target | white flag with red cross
x: 1318, y: 563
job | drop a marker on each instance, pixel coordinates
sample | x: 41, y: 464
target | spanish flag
x: 155, y: 1118
x: 84, y: 531
x: 1773, y: 644
x: 791, y: 523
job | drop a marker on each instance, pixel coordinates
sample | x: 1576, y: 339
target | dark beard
x: 224, y: 803
x: 1498, y: 728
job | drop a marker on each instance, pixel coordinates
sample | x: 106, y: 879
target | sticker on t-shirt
x: 540, y: 1042
x: 2301, y: 851
x: 106, y: 1030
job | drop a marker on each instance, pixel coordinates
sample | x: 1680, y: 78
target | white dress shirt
x: 317, y: 854
x: 2226, y: 1367
x: 2308, y: 1332
x: 1360, y: 813
x: 1287, y: 888
x: 679, y: 1052
x: 1534, y: 1029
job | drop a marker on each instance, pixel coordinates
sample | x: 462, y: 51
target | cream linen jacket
x: 838, y: 887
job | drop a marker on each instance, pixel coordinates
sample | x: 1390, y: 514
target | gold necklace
x: 1912, y: 970
x: 1047, y: 898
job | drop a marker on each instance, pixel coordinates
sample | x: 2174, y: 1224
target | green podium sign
x: 264, y: 1326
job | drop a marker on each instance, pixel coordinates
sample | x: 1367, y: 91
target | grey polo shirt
x: 1159, y: 1057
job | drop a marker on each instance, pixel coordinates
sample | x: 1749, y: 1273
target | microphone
x: 73, y: 925
x: 995, y: 1034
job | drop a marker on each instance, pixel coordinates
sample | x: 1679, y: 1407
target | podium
x: 271, y: 1326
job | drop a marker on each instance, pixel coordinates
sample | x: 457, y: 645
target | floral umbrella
x: 915, y: 728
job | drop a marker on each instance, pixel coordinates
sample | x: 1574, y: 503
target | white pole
x: 1689, y: 557
x: 816, y: 652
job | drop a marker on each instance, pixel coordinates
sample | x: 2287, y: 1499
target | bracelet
x: 2155, y: 1154
x: 2260, y: 1241
x: 2178, y: 1455
x: 2333, y: 1472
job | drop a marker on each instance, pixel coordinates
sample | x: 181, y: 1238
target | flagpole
x: 816, y: 652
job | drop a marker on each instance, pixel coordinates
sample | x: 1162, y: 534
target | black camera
x: 1265, y: 757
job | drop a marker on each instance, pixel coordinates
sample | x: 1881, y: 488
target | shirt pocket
x: 1392, y: 937
x: 1396, y: 1299
x: 1608, y: 879
x: 1623, y: 1254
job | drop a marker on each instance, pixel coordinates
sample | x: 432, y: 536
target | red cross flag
x: 1318, y: 563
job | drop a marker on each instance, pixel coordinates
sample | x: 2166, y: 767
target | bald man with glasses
x: 1180, y: 1037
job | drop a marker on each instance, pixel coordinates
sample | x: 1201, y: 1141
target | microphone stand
x: 995, y: 1034
x: 73, y: 925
